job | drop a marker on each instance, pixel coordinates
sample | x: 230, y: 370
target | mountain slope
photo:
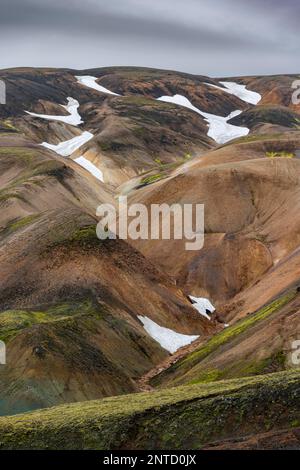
x: 215, y: 412
x: 260, y: 343
x: 84, y: 319
x: 70, y: 303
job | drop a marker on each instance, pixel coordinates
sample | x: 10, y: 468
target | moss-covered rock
x: 177, y: 418
x: 13, y: 322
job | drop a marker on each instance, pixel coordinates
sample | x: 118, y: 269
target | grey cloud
x: 187, y: 35
x: 64, y: 18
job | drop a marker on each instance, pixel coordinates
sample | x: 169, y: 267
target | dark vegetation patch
x: 202, y: 413
x: 277, y: 115
x: 6, y: 126
x: 12, y: 322
x: 18, y: 224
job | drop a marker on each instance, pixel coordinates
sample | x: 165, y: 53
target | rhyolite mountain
x: 85, y: 319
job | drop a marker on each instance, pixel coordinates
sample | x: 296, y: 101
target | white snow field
x: 68, y: 147
x: 202, y: 304
x: 74, y: 118
x: 90, y: 82
x: 168, y: 339
x: 65, y: 149
x: 90, y: 167
x: 219, y: 129
x: 241, y: 92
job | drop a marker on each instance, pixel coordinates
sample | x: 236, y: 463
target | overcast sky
x: 209, y: 37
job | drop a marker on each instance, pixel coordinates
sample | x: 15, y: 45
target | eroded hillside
x: 84, y: 319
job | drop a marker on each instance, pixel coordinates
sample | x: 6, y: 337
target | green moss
x: 84, y: 234
x: 139, y: 100
x: 295, y: 423
x: 261, y: 238
x: 231, y: 332
x: 21, y: 223
x: 207, y: 376
x: 178, y: 418
x: 273, y: 363
x: 178, y: 370
x: 25, y: 154
x: 36, y: 168
x: 7, y: 126
x: 282, y: 154
x: 151, y: 179
x: 71, y: 235
x: 12, y: 322
x: 105, y: 146
x: 249, y: 368
x: 50, y: 168
x: 31, y: 158
x: 6, y: 197
x: 237, y: 369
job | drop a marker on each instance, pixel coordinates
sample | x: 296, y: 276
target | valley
x: 115, y: 343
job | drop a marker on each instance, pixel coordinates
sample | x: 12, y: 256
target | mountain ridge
x: 75, y: 311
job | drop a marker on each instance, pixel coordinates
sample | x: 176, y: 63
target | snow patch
x: 65, y: 149
x: 203, y: 306
x: 238, y: 90
x: 181, y: 101
x: 91, y: 82
x: 74, y: 119
x: 241, y: 92
x: 90, y: 167
x: 168, y: 339
x: 219, y: 129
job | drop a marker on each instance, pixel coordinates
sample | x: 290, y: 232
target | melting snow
x: 72, y: 107
x: 168, y: 339
x: 65, y: 149
x: 91, y: 82
x: 241, y: 92
x: 202, y: 305
x: 89, y: 166
x: 68, y: 147
x: 238, y: 90
x: 219, y: 129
